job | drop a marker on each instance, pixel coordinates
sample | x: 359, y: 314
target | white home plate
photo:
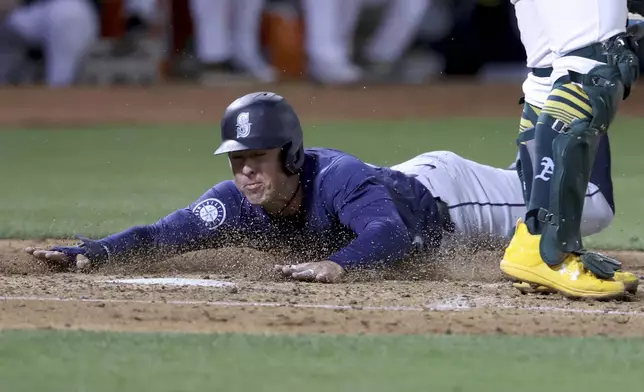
x: 174, y: 282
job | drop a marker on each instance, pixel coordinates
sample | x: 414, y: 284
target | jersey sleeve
x: 364, y: 205
x: 203, y: 224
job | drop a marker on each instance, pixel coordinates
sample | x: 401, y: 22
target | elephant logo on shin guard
x: 548, y: 168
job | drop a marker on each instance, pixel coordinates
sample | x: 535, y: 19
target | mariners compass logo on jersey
x: 243, y: 124
x: 212, y: 212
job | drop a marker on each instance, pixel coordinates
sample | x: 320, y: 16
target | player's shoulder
x: 330, y: 159
x: 332, y: 171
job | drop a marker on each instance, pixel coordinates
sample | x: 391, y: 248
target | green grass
x: 84, y: 361
x: 59, y: 182
x: 100, y: 180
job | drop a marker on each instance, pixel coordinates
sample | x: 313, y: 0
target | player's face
x: 259, y: 175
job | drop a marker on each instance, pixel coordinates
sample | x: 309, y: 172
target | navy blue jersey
x: 352, y: 213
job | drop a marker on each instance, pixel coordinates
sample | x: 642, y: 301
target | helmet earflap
x: 292, y: 158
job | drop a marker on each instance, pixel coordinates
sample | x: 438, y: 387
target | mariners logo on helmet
x: 212, y: 212
x: 243, y: 124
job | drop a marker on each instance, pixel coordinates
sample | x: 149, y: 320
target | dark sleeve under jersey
x: 203, y: 224
x: 351, y: 189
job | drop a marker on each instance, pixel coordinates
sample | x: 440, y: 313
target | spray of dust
x: 454, y: 262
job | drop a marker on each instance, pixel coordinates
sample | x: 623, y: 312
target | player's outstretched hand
x: 80, y: 257
x: 61, y: 256
x: 320, y: 271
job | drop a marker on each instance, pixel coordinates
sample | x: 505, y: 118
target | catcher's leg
x: 590, y: 80
x: 599, y: 205
x: 599, y: 210
x: 536, y: 87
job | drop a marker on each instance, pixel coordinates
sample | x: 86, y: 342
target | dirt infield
x: 459, y: 293
x: 467, y: 296
x: 190, y: 105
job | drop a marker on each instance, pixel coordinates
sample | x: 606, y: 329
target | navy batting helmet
x: 263, y: 120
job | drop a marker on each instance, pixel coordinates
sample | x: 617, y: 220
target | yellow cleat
x: 630, y: 281
x: 529, y: 288
x: 522, y: 262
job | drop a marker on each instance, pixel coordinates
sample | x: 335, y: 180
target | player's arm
x: 365, y: 206
x: 362, y: 204
x: 201, y: 225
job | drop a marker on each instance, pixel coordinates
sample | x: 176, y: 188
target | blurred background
x: 222, y: 42
x: 424, y: 75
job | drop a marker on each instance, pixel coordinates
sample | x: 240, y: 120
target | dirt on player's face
x: 260, y: 177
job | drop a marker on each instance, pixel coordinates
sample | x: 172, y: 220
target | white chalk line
x: 173, y: 282
x: 438, y: 307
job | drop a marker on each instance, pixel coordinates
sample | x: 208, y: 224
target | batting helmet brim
x: 248, y: 144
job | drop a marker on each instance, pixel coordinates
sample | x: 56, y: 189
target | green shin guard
x: 546, y: 132
x: 526, y: 146
x: 574, y: 153
x: 525, y: 142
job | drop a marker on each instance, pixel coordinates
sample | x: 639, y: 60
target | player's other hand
x: 320, y: 271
